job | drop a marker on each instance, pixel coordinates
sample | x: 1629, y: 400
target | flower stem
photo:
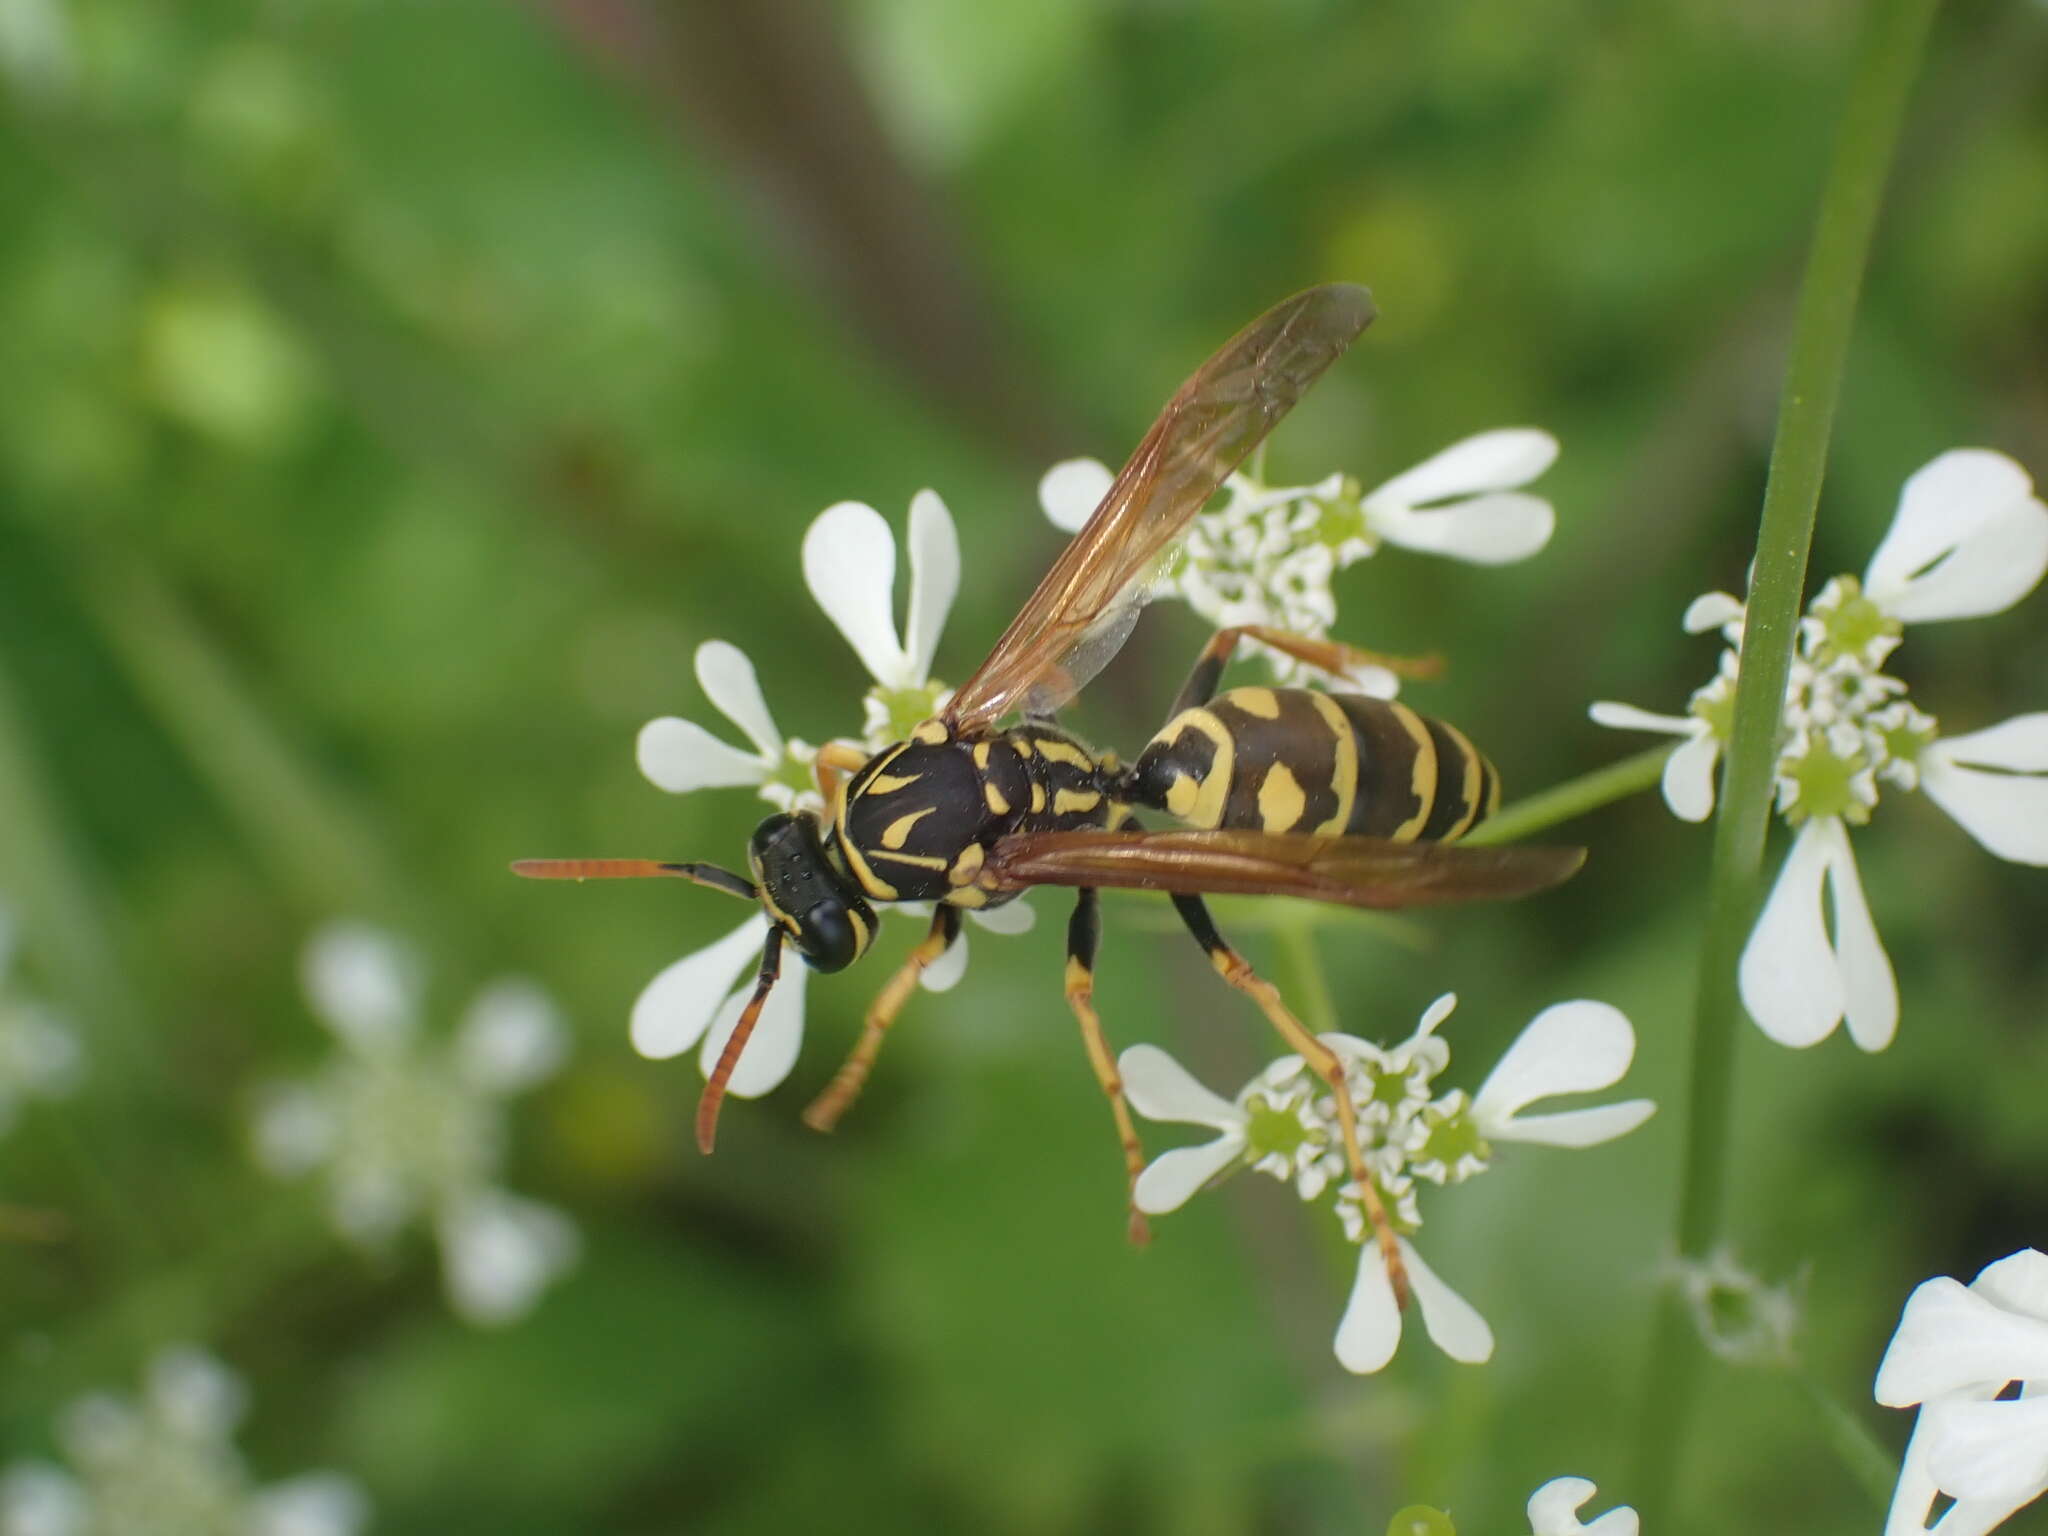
x: 1865, y: 1459
x: 1573, y: 798
x: 1895, y: 35
x: 1311, y: 988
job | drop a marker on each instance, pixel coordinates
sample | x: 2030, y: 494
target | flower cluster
x: 1970, y: 538
x: 849, y: 563
x: 1284, y: 1123
x: 39, y: 1054
x: 405, y: 1130
x: 1974, y: 1360
x: 1266, y: 554
x: 167, y: 1462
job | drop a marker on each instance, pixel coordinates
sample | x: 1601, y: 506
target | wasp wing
x: 1353, y: 871
x: 1083, y: 610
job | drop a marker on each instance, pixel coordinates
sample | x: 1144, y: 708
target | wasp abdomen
x: 1294, y: 760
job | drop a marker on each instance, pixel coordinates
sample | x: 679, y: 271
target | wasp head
x: 806, y: 894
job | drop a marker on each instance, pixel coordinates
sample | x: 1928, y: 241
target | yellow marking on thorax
x: 1261, y: 702
x: 932, y: 733
x: 897, y: 833
x: 856, y: 861
x: 1343, y: 764
x: 1021, y: 745
x: 981, y: 755
x: 968, y: 865
x: 1281, y: 801
x: 889, y: 783
x: 1422, y: 773
x: 914, y: 860
x: 1066, y: 802
x: 1053, y: 750
x: 1472, y: 776
x: 1037, y: 796
x: 995, y: 799
x: 1206, y: 808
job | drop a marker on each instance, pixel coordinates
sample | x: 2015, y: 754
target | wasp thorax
x: 806, y: 895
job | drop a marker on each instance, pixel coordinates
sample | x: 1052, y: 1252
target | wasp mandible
x: 1288, y: 791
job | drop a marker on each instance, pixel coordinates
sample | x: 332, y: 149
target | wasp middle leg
x: 1323, y: 1061
x: 838, y: 1095
x: 1084, y: 930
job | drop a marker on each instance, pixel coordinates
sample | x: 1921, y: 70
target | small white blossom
x: 408, y: 1131
x: 1267, y: 554
x: 1554, y: 1511
x: 1284, y: 1123
x: 1739, y: 1316
x: 40, y: 1057
x: 1970, y: 538
x: 1974, y: 1360
x: 680, y: 755
x: 167, y: 1462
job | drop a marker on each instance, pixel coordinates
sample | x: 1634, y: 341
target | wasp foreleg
x: 839, y: 1094
x: 1323, y: 1061
x: 1083, y: 932
x: 1328, y: 655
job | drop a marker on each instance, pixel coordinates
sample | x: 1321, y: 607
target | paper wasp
x: 1331, y: 797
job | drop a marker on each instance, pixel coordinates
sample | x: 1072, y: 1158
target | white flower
x: 406, y: 1131
x: 1284, y: 1123
x: 1975, y: 1361
x: 1554, y: 1511
x: 1740, y: 1317
x: 1969, y: 538
x: 1267, y: 554
x: 167, y: 1462
x: 680, y: 755
x: 40, y: 1056
x: 850, y: 567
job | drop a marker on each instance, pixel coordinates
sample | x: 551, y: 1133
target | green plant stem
x: 1573, y: 798
x: 1894, y: 38
x: 1310, y: 988
x: 1873, y: 1467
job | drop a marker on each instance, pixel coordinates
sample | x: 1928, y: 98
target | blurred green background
x: 394, y: 392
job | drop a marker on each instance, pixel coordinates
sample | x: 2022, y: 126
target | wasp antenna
x: 729, y: 1058
x: 635, y: 869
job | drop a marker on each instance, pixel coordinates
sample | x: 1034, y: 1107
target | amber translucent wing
x: 1355, y: 871
x: 1083, y: 610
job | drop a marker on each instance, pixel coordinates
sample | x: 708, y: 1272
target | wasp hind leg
x: 1323, y: 1061
x: 1328, y: 655
x: 1084, y: 930
x: 839, y: 1094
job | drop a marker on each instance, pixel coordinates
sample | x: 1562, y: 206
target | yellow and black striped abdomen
x: 1292, y: 760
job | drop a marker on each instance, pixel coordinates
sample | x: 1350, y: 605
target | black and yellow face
x: 805, y: 893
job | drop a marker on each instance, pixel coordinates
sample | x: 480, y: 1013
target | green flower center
x: 797, y: 774
x: 1851, y: 623
x: 1827, y: 785
x: 1452, y: 1139
x: 903, y: 709
x: 1276, y: 1128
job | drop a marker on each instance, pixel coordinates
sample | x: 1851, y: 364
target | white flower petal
x: 1554, y: 1511
x: 1575, y: 1047
x: 1870, y: 993
x: 318, y: 1504
x: 734, y: 688
x: 1577, y: 1127
x: 680, y: 755
x: 1914, y: 1498
x: 1370, y: 1329
x: 675, y: 1008
x: 934, y: 579
x: 944, y: 973
x: 1172, y: 1177
x: 511, y: 1037
x: 37, y: 1499
x: 1487, y: 530
x: 294, y: 1130
x: 1072, y: 489
x: 1160, y: 1088
x: 771, y: 1050
x: 196, y: 1393
x: 1012, y: 917
x: 1989, y: 1450
x: 1952, y: 1338
x: 1710, y: 610
x: 1790, y: 982
x: 499, y: 1252
x: 1689, y: 778
x: 1450, y: 1320
x: 1626, y: 717
x: 1969, y: 539
x: 1994, y: 784
x: 2018, y: 1283
x: 363, y: 983
x: 1500, y: 460
x: 850, y: 567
